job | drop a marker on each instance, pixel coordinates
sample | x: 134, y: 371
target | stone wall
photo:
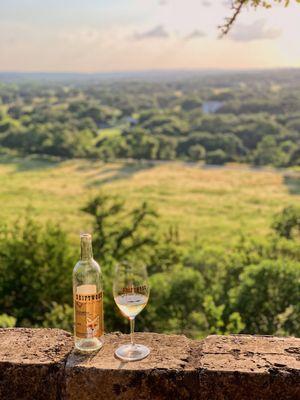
x: 41, y: 364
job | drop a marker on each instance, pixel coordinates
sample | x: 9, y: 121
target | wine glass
x: 131, y: 294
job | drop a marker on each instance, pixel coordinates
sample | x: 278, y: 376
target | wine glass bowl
x: 131, y: 293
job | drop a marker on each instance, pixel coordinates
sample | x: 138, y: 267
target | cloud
x: 157, y: 32
x: 255, y: 31
x: 205, y: 3
x: 83, y: 36
x: 196, y: 34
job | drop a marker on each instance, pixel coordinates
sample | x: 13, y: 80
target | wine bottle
x: 88, y: 299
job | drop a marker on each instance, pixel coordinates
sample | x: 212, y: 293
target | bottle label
x: 88, y: 314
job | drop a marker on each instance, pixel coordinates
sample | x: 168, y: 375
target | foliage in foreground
x: 253, y: 287
x: 36, y: 263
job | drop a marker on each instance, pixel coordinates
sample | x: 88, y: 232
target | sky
x: 135, y: 35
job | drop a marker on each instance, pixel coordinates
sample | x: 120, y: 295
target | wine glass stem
x: 131, y: 330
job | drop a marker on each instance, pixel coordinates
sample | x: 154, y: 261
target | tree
x: 4, y: 126
x: 15, y: 111
x: 164, y: 124
x: 268, y: 297
x: 252, y: 130
x: 60, y: 316
x: 36, y: 265
x: 197, y: 152
x: 217, y: 157
x: 166, y: 148
x: 295, y: 157
x: 124, y: 232
x: 140, y: 145
x: 287, y: 222
x: 238, y: 5
x: 177, y: 302
x: 112, y: 147
x: 268, y: 153
x: 191, y: 103
x: 133, y: 232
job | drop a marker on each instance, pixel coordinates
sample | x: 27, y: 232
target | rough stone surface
x: 250, y: 367
x: 160, y: 376
x: 32, y: 363
x: 233, y: 367
x: 39, y: 364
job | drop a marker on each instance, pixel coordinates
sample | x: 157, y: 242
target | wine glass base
x: 129, y: 352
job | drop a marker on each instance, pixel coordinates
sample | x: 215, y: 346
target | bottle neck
x: 86, y: 247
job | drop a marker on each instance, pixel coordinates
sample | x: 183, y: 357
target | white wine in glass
x: 131, y: 304
x: 131, y: 294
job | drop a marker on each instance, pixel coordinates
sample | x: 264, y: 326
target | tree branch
x: 236, y: 6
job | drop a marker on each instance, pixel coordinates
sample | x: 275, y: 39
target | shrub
x: 36, y: 265
x: 287, y: 222
x: 268, y: 297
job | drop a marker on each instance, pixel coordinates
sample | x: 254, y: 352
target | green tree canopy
x: 36, y: 265
x: 287, y: 222
x: 268, y: 297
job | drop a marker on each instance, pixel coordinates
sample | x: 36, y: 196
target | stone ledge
x: 32, y: 363
x: 40, y: 364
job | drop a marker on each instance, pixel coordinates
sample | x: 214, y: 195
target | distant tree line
x: 252, y: 118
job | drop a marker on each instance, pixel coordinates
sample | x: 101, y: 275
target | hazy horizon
x: 150, y: 70
x: 98, y: 36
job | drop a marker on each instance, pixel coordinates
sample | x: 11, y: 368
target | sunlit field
x: 213, y: 205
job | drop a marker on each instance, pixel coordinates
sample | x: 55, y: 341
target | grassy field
x: 214, y: 205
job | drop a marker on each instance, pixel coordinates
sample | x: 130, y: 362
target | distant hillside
x: 278, y: 74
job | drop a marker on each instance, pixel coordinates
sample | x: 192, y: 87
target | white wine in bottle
x: 88, y: 300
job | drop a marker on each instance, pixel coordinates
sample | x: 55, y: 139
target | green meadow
x: 212, y: 205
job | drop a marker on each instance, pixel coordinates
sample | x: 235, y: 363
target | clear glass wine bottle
x: 88, y: 300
